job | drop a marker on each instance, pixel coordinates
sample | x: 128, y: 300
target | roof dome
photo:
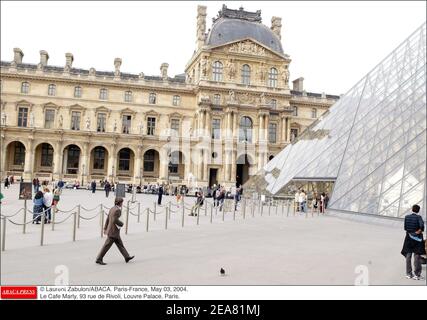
x: 234, y: 25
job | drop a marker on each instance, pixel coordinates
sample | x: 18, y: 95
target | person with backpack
x: 37, y: 207
x: 414, y: 243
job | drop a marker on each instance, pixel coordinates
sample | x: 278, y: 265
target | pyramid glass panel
x: 371, y: 143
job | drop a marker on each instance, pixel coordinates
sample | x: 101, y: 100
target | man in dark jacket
x: 93, y: 186
x: 159, y: 200
x: 414, y: 243
x: 112, y: 231
x: 107, y: 188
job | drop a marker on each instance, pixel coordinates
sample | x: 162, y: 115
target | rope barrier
x: 66, y: 211
x: 135, y: 215
x: 21, y: 224
x: 4, y: 216
x: 90, y: 209
x: 65, y: 218
x: 84, y: 218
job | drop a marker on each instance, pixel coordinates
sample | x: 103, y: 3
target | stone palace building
x: 219, y: 122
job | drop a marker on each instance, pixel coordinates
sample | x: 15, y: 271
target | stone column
x: 283, y: 129
x: 233, y: 166
x: 137, y: 166
x: 235, y: 125
x: 112, y: 162
x: 29, y: 161
x: 164, y: 164
x: 205, y: 165
x: 208, y: 123
x: 288, y: 129
x: 229, y: 124
x: 261, y: 128
x: 84, y: 163
x: 3, y: 158
x: 58, y: 161
x: 266, y: 124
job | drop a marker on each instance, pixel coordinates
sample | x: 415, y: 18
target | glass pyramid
x: 371, y: 143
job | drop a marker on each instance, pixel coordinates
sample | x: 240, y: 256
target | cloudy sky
x: 331, y: 44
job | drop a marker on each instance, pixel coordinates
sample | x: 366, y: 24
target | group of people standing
x: 319, y: 201
x: 8, y: 181
x: 43, y: 203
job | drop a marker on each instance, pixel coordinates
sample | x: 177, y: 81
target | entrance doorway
x: 242, y: 170
x: 213, y: 174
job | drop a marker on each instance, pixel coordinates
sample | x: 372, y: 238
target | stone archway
x: 151, y: 164
x: 43, y: 160
x: 98, y: 163
x: 15, y: 158
x: 125, y: 164
x: 243, y: 169
x: 71, y: 161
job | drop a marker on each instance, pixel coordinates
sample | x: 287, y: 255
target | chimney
x: 18, y: 55
x: 164, y: 71
x: 44, y: 57
x: 276, y: 26
x: 69, y: 58
x: 201, y: 26
x: 298, y: 84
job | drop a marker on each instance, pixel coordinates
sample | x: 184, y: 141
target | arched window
x: 152, y: 98
x: 98, y: 158
x: 51, y: 90
x: 245, y: 132
x: 103, y: 94
x: 149, y: 157
x: 217, y: 71
x: 272, y: 77
x: 246, y: 74
x: 124, y: 159
x: 25, y: 87
x: 128, y: 96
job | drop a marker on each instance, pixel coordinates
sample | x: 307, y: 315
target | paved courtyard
x: 274, y: 249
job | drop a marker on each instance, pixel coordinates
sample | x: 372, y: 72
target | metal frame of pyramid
x: 372, y: 142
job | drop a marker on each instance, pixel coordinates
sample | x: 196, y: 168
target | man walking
x: 414, y: 243
x: 93, y: 186
x: 160, y: 192
x: 112, y: 231
x: 107, y: 188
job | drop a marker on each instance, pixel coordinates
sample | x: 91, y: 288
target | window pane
x: 128, y: 96
x: 19, y: 156
x: 47, y: 155
x: 78, y: 92
x: 25, y: 87
x: 149, y: 161
x: 124, y: 160
x: 101, y: 122
x: 176, y: 100
x: 217, y: 71
x: 175, y: 125
x: 151, y: 126
x: 49, y: 119
x: 272, y: 77
x: 51, y: 90
x: 98, y: 158
x: 22, y: 117
x: 216, y: 129
x: 126, y: 123
x: 75, y: 120
x: 272, y: 133
x: 246, y: 74
x: 245, y: 132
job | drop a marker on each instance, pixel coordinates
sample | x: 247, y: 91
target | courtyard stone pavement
x: 277, y: 248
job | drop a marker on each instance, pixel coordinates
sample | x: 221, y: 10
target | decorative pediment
x: 249, y: 46
x: 50, y: 105
x: 152, y: 113
x: 24, y: 103
x: 103, y: 109
x: 127, y: 111
x: 175, y: 115
x: 77, y: 107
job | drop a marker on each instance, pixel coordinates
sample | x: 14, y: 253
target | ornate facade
x: 219, y: 122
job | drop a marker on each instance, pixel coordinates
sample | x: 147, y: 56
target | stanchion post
x: 244, y: 208
x: 211, y: 213
x: 169, y: 215
x: 234, y: 210
x: 42, y: 228
x: 269, y: 207
x: 3, y: 235
x: 127, y: 218
x: 277, y: 207
x: 78, y: 216
x: 148, y: 217
x: 74, y: 226
x: 166, y: 218
x: 24, y: 226
x: 206, y: 207
x: 283, y: 207
x: 198, y: 215
x: 262, y: 207
x: 155, y: 210
x: 139, y: 211
x: 53, y: 217
x: 223, y: 213
x: 294, y: 206
x: 101, y: 218
x: 183, y: 213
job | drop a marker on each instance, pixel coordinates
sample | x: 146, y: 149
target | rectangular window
x: 216, y: 129
x: 126, y: 123
x: 99, y: 158
x: 176, y: 100
x: 216, y: 100
x: 151, y: 126
x: 175, y: 125
x: 103, y: 94
x: 272, y: 133
x: 101, y: 122
x: 128, y: 96
x: 295, y: 114
x: 49, y: 118
x: 77, y: 92
x: 22, y: 117
x: 75, y: 120
x: 314, y: 113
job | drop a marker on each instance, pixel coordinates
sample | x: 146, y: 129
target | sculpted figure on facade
x: 205, y: 67
x: 115, y: 126
x: 262, y: 99
x: 60, y: 121
x: 92, y: 71
x: 262, y: 72
x: 31, y: 119
x: 3, y: 118
x: 232, y: 97
x: 285, y: 75
x: 87, y: 123
x: 231, y: 69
